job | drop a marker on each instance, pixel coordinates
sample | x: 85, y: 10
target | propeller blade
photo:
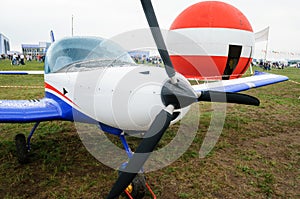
x: 237, y: 98
x: 156, y: 33
x: 143, y: 151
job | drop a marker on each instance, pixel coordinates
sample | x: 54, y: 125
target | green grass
x: 21, y: 86
x: 257, y: 155
x: 32, y: 65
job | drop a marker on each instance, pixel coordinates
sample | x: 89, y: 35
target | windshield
x: 84, y: 53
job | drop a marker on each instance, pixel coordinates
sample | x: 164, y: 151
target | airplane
x: 103, y: 65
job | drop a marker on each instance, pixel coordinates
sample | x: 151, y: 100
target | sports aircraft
x: 106, y: 64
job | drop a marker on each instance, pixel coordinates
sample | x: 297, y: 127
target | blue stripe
x: 47, y: 109
x: 13, y: 73
x: 245, y: 86
x: 265, y: 82
x: 21, y: 111
x: 70, y: 113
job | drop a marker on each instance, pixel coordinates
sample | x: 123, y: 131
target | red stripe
x: 207, y: 67
x: 48, y: 86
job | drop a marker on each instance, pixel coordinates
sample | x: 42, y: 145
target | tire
x: 139, y: 187
x: 21, y: 148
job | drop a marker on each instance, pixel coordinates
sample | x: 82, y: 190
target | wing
x: 259, y: 79
x: 29, y: 110
x: 32, y: 72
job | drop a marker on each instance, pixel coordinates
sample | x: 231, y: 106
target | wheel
x: 138, y: 187
x: 21, y: 148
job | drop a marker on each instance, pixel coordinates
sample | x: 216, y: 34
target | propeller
x: 176, y: 93
x: 158, y: 38
x: 153, y: 136
x: 236, y: 98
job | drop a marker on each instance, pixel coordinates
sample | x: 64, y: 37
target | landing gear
x: 21, y: 148
x: 137, y: 188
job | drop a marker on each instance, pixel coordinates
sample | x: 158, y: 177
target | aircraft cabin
x: 84, y: 53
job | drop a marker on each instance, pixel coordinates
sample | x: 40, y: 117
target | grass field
x: 257, y: 155
x: 32, y: 65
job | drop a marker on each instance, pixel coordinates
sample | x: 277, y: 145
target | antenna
x: 52, y: 36
x: 72, y: 25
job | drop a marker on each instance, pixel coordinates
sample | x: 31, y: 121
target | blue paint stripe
x: 72, y: 114
x: 13, y: 73
x: 47, y: 109
x: 245, y: 86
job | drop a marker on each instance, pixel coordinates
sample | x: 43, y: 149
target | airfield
x: 257, y: 155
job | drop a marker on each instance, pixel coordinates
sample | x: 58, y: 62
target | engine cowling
x: 128, y: 98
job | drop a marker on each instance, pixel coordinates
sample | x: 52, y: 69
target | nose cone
x: 180, y: 94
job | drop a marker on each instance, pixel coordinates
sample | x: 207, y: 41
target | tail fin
x: 52, y: 36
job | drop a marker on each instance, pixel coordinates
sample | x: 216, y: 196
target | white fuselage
x: 128, y: 98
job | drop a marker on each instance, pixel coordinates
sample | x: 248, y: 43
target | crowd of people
x: 20, y: 59
x: 17, y: 59
x: 155, y: 60
x: 268, y: 65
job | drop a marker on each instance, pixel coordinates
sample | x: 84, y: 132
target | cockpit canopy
x: 84, y: 53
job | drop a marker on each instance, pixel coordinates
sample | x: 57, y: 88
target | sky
x: 30, y: 21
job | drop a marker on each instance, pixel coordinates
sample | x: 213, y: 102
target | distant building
x: 35, y: 49
x: 4, y: 44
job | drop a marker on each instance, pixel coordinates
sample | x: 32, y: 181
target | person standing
x: 22, y: 61
x: 14, y: 59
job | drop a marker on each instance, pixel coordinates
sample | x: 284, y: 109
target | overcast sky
x: 30, y: 21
